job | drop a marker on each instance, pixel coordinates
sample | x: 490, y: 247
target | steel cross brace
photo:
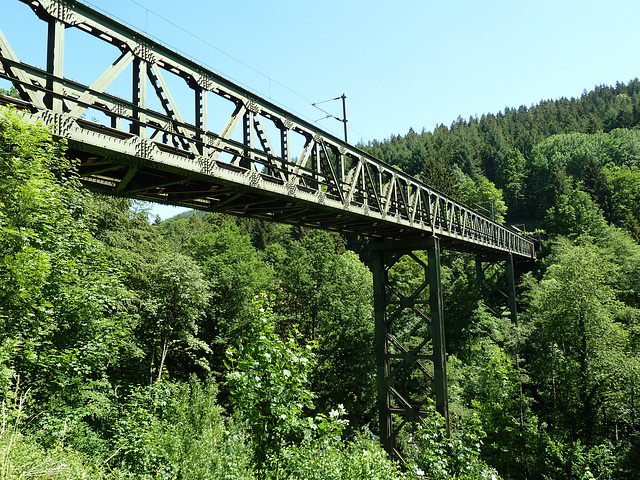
x: 495, y: 278
x: 409, y: 336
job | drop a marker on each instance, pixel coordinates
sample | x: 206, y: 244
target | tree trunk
x: 165, y: 350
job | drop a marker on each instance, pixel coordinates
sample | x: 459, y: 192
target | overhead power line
x: 209, y: 44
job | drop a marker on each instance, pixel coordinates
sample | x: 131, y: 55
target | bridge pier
x: 409, y: 335
x: 495, y: 276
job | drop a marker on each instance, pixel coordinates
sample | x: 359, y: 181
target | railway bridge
x: 156, y: 126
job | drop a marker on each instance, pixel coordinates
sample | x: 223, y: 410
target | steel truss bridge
x: 156, y: 126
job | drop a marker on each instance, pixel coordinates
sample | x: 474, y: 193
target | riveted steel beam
x: 409, y: 336
x: 55, y: 63
x: 329, y: 174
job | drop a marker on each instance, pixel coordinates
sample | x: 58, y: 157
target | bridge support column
x: 496, y: 283
x: 139, y: 97
x: 409, y: 333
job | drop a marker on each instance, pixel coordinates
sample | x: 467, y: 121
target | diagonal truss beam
x: 100, y: 85
x: 329, y: 175
x: 10, y: 63
x: 168, y: 103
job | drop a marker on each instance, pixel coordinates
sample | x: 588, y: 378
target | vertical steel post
x: 511, y: 289
x: 382, y: 350
x: 139, y: 97
x: 317, y: 166
x: 55, y: 64
x: 201, y: 117
x: 284, y: 145
x: 479, y: 275
x: 247, y: 138
x: 437, y: 332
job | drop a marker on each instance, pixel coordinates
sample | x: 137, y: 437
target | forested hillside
x: 213, y: 347
x: 537, y: 156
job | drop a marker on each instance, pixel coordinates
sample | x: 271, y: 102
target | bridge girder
x: 149, y: 150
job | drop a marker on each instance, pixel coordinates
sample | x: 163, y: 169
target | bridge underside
x: 132, y: 178
x: 113, y: 173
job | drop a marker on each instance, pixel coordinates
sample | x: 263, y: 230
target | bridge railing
x: 255, y: 143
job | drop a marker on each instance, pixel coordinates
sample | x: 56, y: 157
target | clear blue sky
x: 403, y: 64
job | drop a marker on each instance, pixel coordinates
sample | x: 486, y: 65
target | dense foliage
x: 212, y: 347
x: 535, y: 155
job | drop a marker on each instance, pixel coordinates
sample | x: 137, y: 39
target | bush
x: 431, y: 454
x: 23, y: 457
x: 269, y: 384
x: 172, y: 431
x: 362, y: 459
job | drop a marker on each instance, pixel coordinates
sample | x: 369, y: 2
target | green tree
x: 235, y: 274
x: 574, y: 215
x: 624, y: 193
x: 63, y: 308
x: 596, y: 184
x: 483, y: 195
x: 327, y: 296
x: 510, y: 175
x: 439, y: 173
x: 492, y: 385
x: 12, y: 92
x: 174, y: 309
x: 581, y: 350
x: 269, y: 380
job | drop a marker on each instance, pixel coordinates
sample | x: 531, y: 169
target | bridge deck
x: 146, y: 149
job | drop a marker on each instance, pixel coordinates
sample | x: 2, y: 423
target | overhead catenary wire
x: 219, y: 50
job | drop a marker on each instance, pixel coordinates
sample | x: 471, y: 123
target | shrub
x: 172, y: 431
x: 361, y: 459
x: 22, y: 457
x: 431, y: 454
x: 269, y: 386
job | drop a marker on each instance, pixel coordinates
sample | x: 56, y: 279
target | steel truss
x: 409, y: 331
x: 148, y: 149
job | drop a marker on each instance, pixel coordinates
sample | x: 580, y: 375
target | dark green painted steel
x: 402, y: 398
x: 148, y: 150
x: 511, y: 286
x: 382, y: 348
x: 438, y: 332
